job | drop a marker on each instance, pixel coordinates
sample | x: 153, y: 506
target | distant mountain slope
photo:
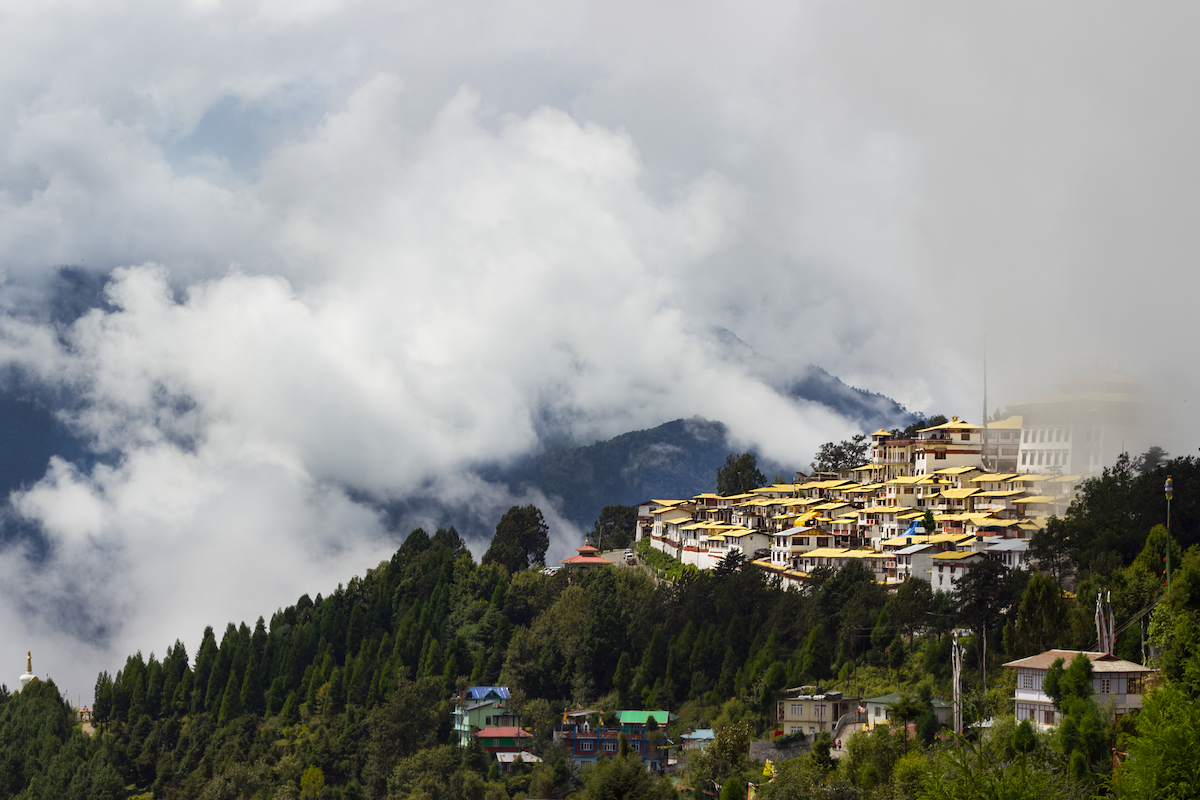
x: 676, y: 459
x: 869, y: 409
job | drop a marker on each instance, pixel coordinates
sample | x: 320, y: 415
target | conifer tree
x: 231, y: 703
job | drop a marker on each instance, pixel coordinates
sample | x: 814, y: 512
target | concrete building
x: 1113, y: 679
x: 811, y: 710
x: 480, y: 707
x: 1080, y: 429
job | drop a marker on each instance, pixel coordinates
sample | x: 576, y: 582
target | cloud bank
x: 353, y: 251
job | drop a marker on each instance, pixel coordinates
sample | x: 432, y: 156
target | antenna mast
x: 984, y: 458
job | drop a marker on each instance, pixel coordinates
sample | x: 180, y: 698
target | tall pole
x: 984, y: 458
x: 1169, y: 490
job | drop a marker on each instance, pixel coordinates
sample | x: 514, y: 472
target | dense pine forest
x: 350, y: 695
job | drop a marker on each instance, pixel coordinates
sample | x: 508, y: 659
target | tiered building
x: 985, y: 491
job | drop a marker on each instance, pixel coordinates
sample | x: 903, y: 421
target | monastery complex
x: 988, y: 489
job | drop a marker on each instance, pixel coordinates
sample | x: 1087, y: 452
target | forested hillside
x: 349, y: 696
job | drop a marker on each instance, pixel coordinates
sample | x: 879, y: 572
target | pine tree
x: 231, y: 703
x: 250, y: 698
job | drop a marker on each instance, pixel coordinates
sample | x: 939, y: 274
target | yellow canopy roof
x: 954, y: 424
x: 955, y: 470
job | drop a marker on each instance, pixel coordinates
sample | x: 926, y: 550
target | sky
x: 350, y: 251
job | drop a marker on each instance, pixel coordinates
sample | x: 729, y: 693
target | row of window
x: 1030, y: 681
x: 1053, y: 458
x: 797, y: 710
x: 588, y: 745
x: 1039, y: 435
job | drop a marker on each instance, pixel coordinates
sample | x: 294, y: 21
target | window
x: 820, y: 711
x: 487, y: 721
x: 940, y: 455
x: 822, y: 541
x: 966, y: 437
x: 1026, y: 680
x: 1049, y: 716
x: 1067, y: 435
x: 587, y: 744
x: 796, y: 710
x: 610, y: 746
x: 802, y: 540
x: 1105, y: 686
x: 795, y: 729
x: 1023, y: 457
x: 1025, y: 435
x: 1058, y: 434
x: 1042, y: 435
x: 495, y: 742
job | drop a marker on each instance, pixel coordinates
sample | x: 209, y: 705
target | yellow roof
x: 958, y: 494
x: 668, y: 502
x: 866, y: 467
x: 906, y: 479
x: 883, y: 509
x: 1001, y: 493
x: 956, y: 470
x: 707, y: 496
x: 827, y: 552
x: 1010, y: 423
x: 882, y: 432
x: 826, y: 485
x: 745, y: 496
x: 674, y: 514
x: 1030, y: 478
x: 953, y: 424
x: 830, y: 506
x: 866, y: 487
x: 994, y: 477
x: 1066, y: 479
x: 1038, y: 500
x: 954, y: 555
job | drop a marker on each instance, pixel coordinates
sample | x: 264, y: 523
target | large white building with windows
x: 1113, y: 679
x: 1081, y: 429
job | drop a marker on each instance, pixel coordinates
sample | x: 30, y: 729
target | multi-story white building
x: 1113, y: 679
x: 1082, y: 428
x: 956, y: 443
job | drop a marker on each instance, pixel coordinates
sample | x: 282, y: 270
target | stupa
x: 28, y: 676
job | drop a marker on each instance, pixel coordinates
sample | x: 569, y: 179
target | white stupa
x: 28, y: 676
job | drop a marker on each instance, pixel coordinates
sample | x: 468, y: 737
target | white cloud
x: 361, y: 247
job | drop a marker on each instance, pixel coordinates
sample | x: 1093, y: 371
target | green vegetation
x: 739, y: 475
x: 350, y: 696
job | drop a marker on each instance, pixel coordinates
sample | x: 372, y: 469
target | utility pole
x: 1169, y: 490
x: 956, y: 662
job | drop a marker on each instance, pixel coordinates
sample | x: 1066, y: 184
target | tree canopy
x: 832, y: 457
x: 739, y: 475
x: 521, y: 539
